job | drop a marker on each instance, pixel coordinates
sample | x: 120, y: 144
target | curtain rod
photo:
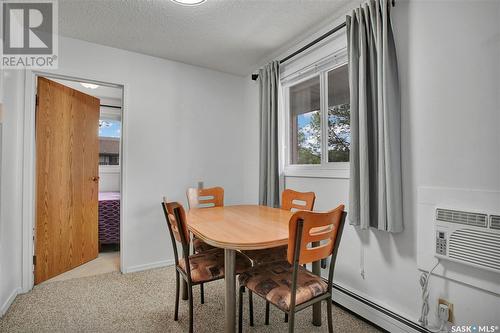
x: 316, y: 41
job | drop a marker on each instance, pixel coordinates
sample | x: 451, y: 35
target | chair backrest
x: 205, y: 197
x: 177, y: 227
x: 314, y: 228
x: 291, y: 199
x: 176, y: 222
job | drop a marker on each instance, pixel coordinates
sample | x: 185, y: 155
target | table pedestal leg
x: 230, y: 277
x: 316, y: 270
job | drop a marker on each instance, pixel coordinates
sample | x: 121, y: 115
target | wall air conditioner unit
x: 468, y: 238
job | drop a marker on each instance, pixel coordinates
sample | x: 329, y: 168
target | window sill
x: 109, y: 168
x: 316, y: 172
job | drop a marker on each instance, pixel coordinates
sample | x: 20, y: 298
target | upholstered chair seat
x: 259, y: 257
x: 208, y: 265
x: 200, y: 246
x: 273, y: 282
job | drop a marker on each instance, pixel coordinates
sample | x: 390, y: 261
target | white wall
x: 251, y: 119
x: 109, y: 180
x: 449, y: 64
x: 10, y: 205
x: 451, y: 98
x: 181, y: 124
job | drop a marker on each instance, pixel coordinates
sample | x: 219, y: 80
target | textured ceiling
x: 227, y: 35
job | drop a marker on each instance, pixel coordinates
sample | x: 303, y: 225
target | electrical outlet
x: 451, y: 317
x: 443, y: 313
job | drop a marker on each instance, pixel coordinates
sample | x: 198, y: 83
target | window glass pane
x: 305, y: 122
x: 339, y: 138
x: 109, y: 142
x: 110, y: 128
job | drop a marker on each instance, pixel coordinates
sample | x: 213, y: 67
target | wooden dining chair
x: 204, y: 198
x: 290, y: 200
x: 197, y: 268
x: 288, y: 285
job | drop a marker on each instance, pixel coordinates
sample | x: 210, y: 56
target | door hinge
x: 34, y: 260
x: 36, y: 100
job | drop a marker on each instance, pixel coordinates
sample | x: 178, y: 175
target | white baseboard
x: 9, y: 301
x: 143, y: 267
x: 378, y: 315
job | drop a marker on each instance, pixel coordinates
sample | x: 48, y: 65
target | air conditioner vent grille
x: 476, y: 247
x: 455, y: 216
x: 495, y: 222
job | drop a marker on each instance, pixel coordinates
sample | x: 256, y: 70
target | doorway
x: 78, y: 178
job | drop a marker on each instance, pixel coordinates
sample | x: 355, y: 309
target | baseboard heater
x: 379, y: 308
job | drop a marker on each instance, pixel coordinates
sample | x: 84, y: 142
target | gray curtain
x: 375, y: 194
x: 269, y: 192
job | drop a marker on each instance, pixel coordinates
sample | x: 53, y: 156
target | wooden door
x: 67, y: 170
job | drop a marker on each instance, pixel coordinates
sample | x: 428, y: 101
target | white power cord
x: 424, y: 284
x: 437, y: 330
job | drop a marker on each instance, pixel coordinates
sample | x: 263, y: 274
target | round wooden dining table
x: 242, y: 227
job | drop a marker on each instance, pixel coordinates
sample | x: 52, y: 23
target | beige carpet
x: 142, y: 302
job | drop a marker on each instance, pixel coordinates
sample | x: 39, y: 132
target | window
x: 305, y: 122
x: 339, y: 139
x: 109, y: 141
x: 317, y: 113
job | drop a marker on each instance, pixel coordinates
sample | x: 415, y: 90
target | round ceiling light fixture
x: 189, y: 2
x: 90, y: 85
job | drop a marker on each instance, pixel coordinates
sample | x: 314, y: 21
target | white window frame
x: 320, y: 68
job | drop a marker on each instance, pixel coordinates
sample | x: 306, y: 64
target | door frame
x: 29, y: 169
